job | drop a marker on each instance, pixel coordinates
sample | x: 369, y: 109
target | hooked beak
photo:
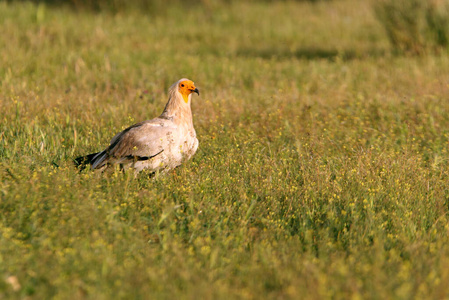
x: 196, y: 91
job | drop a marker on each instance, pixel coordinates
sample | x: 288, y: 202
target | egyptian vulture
x: 160, y: 144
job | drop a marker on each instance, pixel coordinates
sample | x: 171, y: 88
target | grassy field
x: 322, y: 171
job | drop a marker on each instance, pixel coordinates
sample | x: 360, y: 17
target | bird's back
x: 154, y: 144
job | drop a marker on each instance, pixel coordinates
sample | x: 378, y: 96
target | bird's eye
x: 182, y: 84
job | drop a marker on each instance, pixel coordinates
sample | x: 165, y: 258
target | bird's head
x: 187, y: 87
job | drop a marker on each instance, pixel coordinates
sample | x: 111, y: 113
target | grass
x: 414, y: 26
x: 322, y: 171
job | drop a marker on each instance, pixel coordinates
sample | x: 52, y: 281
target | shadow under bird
x: 160, y: 144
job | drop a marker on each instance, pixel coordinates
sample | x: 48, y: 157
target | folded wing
x: 141, y: 141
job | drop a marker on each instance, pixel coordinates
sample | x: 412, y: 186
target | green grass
x: 415, y: 26
x: 322, y: 171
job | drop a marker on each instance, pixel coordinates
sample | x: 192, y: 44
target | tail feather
x: 83, y: 161
x: 98, y: 160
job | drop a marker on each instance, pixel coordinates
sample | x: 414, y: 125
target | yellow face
x: 186, y: 87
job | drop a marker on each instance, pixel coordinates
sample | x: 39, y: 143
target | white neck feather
x: 177, y: 109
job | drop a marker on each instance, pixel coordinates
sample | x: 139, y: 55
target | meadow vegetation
x: 415, y: 26
x: 322, y: 171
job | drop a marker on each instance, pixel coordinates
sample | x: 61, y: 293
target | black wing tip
x: 141, y: 158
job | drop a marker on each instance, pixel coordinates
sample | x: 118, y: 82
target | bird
x: 157, y: 145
